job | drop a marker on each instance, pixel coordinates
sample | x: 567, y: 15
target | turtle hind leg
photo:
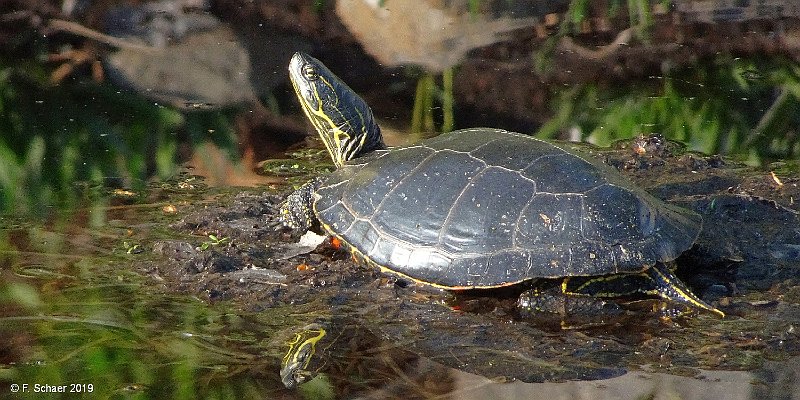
x: 669, y: 287
x: 297, y: 212
x: 657, y: 280
x: 552, y: 300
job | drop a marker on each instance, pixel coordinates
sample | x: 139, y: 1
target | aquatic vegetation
x: 724, y: 106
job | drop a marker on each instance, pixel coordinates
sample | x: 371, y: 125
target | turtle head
x: 341, y: 117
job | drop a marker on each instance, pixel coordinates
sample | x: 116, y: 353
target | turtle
x: 484, y: 208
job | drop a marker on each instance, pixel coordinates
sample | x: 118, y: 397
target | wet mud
x: 746, y: 261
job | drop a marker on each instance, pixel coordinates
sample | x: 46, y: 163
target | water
x: 76, y: 314
x: 119, y: 282
x: 94, y: 310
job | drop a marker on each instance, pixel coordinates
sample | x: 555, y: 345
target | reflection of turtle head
x: 342, y: 119
x: 300, y: 364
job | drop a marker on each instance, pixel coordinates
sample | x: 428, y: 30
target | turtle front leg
x: 297, y: 212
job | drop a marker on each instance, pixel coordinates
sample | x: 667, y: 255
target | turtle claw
x: 276, y: 225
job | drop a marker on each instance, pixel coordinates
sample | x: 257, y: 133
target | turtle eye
x: 309, y: 73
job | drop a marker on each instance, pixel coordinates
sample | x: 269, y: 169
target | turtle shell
x: 486, y: 207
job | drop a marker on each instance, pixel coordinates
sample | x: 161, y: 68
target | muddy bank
x: 746, y: 261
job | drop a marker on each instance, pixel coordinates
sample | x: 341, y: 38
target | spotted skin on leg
x: 297, y: 212
x: 657, y: 280
x: 554, y: 301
